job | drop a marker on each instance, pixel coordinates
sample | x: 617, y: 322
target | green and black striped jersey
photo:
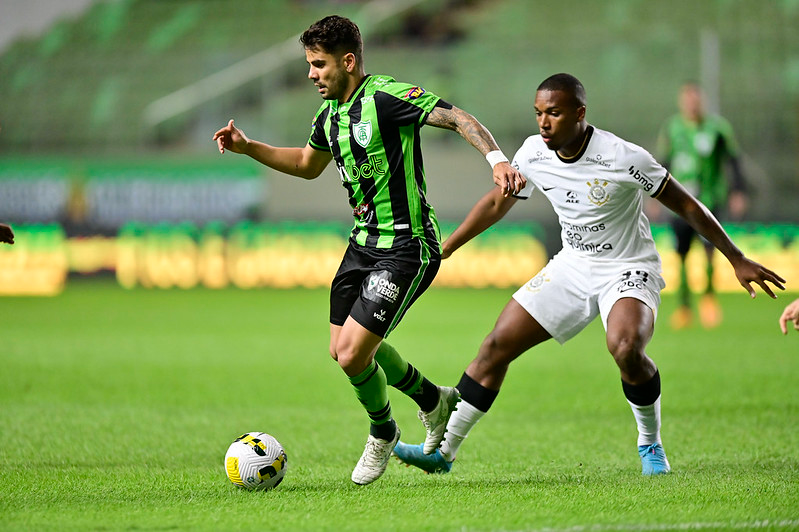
x: 375, y: 142
x: 695, y: 152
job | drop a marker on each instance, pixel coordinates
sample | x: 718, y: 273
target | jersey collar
x: 343, y: 106
x: 577, y: 156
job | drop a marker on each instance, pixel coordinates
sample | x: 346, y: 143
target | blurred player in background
x: 790, y: 314
x: 6, y: 234
x: 694, y: 145
x: 608, y: 267
x: 369, y: 125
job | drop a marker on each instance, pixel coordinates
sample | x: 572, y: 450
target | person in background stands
x: 694, y: 145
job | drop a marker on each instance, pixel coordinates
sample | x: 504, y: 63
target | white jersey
x: 597, y: 195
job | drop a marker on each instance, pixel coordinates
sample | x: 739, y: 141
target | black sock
x: 384, y: 431
x: 476, y: 394
x: 426, y: 396
x: 643, y: 394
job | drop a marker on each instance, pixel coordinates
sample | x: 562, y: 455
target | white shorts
x: 569, y: 292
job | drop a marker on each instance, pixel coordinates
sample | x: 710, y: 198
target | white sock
x: 648, y: 420
x: 458, y: 427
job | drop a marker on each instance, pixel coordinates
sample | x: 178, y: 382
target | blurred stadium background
x: 108, y: 107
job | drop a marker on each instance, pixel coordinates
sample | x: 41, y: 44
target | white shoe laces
x: 375, y: 452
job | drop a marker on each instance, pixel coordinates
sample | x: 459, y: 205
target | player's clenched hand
x: 446, y: 250
x: 791, y: 313
x: 509, y: 179
x: 748, y: 271
x: 231, y: 138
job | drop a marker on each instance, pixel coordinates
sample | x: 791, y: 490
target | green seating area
x: 87, y: 81
x: 83, y: 87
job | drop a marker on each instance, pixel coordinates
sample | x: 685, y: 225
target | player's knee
x: 350, y: 358
x: 627, y: 348
x: 493, y: 351
x: 348, y: 361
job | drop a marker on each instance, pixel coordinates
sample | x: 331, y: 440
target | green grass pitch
x: 117, y: 407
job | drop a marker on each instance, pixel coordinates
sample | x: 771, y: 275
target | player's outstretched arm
x: 675, y: 197
x: 6, y: 234
x: 510, y: 180
x: 306, y: 162
x: 790, y: 314
x: 485, y: 213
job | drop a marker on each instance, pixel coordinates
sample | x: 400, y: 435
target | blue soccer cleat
x: 653, y: 460
x: 413, y: 455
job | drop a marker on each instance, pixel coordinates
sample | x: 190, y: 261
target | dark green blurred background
x: 91, y: 84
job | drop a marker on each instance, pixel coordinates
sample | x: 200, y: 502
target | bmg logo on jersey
x: 641, y: 177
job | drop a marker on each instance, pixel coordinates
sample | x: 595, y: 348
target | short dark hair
x: 334, y: 34
x: 565, y: 83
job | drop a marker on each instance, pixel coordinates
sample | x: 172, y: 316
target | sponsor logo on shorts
x: 633, y: 280
x: 381, y: 316
x: 381, y: 287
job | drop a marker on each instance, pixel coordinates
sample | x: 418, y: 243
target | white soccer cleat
x: 435, y: 421
x: 374, y: 459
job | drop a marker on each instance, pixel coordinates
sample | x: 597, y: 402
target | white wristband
x: 495, y: 157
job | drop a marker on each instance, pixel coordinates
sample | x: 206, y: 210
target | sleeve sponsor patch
x: 414, y: 93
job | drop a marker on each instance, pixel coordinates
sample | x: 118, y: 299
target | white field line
x: 743, y: 525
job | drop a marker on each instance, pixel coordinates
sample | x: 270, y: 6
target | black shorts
x: 684, y: 234
x: 377, y: 286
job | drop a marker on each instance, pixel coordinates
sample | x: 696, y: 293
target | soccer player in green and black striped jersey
x: 694, y: 145
x: 370, y: 126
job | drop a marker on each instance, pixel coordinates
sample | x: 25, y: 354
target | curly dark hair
x: 336, y: 35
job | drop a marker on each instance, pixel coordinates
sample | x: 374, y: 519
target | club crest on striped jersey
x: 362, y: 132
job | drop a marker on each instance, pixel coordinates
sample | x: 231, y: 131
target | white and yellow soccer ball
x: 255, y: 461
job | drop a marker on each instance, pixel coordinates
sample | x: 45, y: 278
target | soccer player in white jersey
x: 608, y: 266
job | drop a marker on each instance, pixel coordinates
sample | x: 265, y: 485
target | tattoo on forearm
x: 466, y: 125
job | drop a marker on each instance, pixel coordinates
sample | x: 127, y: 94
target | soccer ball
x: 255, y: 461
